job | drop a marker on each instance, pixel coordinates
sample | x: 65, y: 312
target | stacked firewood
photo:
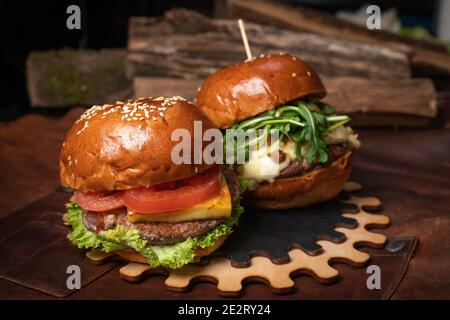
x: 367, y: 74
x: 174, y: 54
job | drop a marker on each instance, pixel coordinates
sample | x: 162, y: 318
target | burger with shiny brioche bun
x: 131, y: 199
x: 311, y: 160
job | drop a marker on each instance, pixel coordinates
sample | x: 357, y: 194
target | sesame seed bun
x: 246, y: 89
x: 128, y: 144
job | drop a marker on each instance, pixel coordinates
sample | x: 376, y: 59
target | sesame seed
x: 309, y: 74
x: 131, y: 109
x: 294, y: 75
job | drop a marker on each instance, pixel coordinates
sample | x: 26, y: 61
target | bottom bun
x: 133, y: 256
x: 314, y: 187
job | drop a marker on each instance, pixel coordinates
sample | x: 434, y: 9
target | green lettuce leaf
x: 170, y: 256
x: 243, y: 184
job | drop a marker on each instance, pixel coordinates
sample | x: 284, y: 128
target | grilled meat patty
x: 160, y: 232
x: 153, y: 232
x: 300, y: 167
x: 233, y: 184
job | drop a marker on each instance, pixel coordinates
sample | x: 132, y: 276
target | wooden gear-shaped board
x: 229, y: 279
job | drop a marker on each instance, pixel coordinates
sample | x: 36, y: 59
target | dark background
x: 41, y: 25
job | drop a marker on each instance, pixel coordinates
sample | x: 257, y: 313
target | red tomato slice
x: 174, y: 196
x: 98, y: 201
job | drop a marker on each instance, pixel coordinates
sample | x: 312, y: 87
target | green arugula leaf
x: 304, y: 122
x: 316, y: 125
x: 324, y: 107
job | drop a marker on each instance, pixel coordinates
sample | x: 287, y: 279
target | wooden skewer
x: 244, y: 39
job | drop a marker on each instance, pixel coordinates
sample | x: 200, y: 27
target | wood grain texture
x: 426, y: 58
x: 161, y: 86
x: 409, y: 102
x: 198, y: 46
x: 61, y: 78
x: 414, y: 96
x: 229, y: 279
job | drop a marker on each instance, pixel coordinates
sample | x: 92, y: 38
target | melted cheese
x: 261, y: 167
x: 215, y: 208
x: 288, y: 148
x: 343, y: 134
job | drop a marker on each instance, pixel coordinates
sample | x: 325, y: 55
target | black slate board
x: 273, y: 233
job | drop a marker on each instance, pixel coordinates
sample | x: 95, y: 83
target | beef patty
x: 301, y: 167
x: 153, y: 232
x: 233, y: 184
x: 159, y: 232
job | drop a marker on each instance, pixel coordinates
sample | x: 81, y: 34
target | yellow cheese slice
x: 215, y: 208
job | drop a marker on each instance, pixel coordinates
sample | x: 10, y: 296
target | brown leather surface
x: 35, y: 251
x: 35, y: 254
x: 408, y: 170
x: 29, y: 161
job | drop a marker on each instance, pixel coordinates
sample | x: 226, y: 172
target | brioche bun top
x: 246, y: 89
x: 128, y: 144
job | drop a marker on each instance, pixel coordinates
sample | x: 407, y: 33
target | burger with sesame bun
x: 311, y: 159
x: 129, y: 196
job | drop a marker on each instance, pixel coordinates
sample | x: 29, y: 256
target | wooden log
x: 380, y: 103
x: 155, y: 87
x: 370, y: 102
x: 165, y: 47
x: 67, y: 77
x: 413, y: 96
x: 426, y: 58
